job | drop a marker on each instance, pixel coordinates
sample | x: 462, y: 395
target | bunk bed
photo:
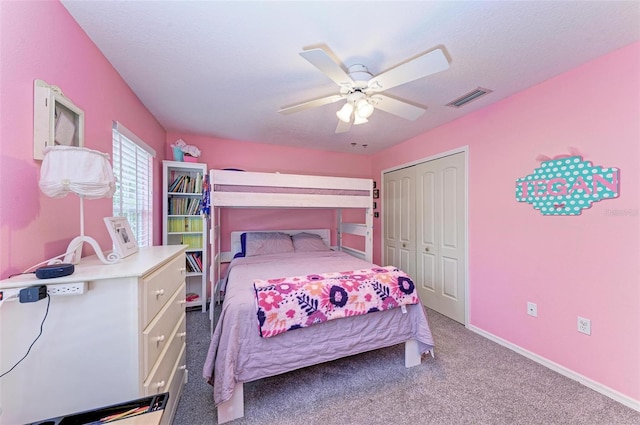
x: 238, y: 353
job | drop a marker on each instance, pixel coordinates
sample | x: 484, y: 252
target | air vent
x: 466, y: 98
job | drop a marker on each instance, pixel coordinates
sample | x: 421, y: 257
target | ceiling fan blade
x: 321, y: 60
x: 398, y: 107
x: 311, y: 104
x: 427, y: 64
x: 343, y: 127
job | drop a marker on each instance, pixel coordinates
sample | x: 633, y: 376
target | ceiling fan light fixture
x: 357, y: 119
x: 364, y: 108
x: 344, y: 114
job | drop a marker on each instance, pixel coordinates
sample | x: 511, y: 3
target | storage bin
x: 178, y: 155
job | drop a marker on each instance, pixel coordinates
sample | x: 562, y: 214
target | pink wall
x: 585, y: 265
x: 40, y: 40
x: 222, y: 153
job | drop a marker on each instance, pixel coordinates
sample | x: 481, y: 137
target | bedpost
x: 216, y: 264
x: 411, y: 353
x: 234, y: 407
x: 368, y: 250
x: 339, y: 227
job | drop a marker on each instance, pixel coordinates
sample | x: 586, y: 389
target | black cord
x: 34, y: 341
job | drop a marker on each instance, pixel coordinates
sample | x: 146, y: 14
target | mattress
x: 238, y: 354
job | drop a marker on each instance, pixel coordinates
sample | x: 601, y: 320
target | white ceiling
x: 224, y: 68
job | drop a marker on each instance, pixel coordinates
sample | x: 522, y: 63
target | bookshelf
x: 182, y: 224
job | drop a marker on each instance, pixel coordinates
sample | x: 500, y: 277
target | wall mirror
x: 57, y: 121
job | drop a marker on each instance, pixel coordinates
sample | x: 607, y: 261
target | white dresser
x: 122, y: 339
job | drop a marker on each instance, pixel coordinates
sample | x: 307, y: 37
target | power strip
x: 77, y: 288
x: 9, y: 294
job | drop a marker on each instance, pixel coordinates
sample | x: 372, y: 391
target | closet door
x: 440, y: 245
x: 399, y: 203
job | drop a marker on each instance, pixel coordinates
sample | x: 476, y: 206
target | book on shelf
x: 185, y: 224
x: 198, y: 183
x: 188, y: 265
x: 184, y: 183
x: 198, y: 257
x: 184, y: 206
x: 196, y: 224
x: 192, y: 263
x: 194, y: 241
x: 178, y: 184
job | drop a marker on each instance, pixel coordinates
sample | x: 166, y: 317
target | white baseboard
x: 590, y: 383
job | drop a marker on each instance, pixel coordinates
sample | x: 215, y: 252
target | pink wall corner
x: 570, y: 266
x: 222, y: 153
x: 33, y: 226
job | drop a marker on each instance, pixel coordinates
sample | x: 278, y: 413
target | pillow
x: 243, y: 246
x: 263, y: 243
x: 307, y: 242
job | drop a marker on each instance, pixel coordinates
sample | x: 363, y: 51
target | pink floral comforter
x: 296, y: 302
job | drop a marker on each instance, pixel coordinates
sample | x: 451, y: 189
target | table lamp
x: 88, y: 174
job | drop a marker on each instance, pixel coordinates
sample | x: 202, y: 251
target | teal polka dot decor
x: 566, y: 186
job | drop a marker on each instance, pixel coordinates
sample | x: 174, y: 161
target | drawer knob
x: 183, y: 301
x: 160, y: 338
x: 159, y: 292
x: 160, y: 384
x: 182, y: 334
x: 183, y: 367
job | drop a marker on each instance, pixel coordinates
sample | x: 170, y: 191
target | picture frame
x: 56, y: 119
x: 124, y: 241
x: 376, y: 193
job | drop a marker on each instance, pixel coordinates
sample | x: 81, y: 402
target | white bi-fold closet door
x: 425, y: 230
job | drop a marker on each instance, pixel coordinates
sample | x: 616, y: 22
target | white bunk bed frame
x: 322, y: 195
x: 326, y: 198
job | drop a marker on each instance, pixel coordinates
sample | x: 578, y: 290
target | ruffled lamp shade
x: 82, y: 171
x: 88, y: 174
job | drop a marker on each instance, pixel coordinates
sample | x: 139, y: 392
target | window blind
x: 133, y: 168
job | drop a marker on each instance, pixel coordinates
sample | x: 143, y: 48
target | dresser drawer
x: 159, y: 286
x: 176, y: 383
x: 158, y: 334
x: 162, y: 371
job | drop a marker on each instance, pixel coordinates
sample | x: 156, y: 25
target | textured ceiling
x: 224, y: 68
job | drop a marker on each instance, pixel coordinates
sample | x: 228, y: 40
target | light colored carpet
x: 471, y: 381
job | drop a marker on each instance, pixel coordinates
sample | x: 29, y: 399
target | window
x: 133, y: 168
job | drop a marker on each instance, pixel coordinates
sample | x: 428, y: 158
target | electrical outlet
x: 77, y: 288
x: 532, y: 309
x: 584, y: 325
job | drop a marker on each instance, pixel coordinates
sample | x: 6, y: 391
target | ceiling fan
x: 363, y: 91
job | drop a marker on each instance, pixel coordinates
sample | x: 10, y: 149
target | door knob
x: 404, y: 245
x: 426, y: 248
